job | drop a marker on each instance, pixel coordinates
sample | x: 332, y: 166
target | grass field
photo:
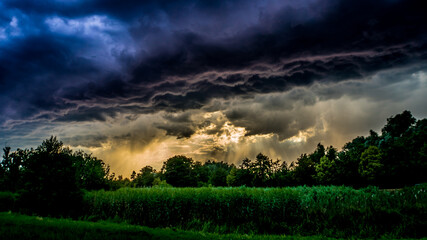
x: 15, y: 226
x: 231, y: 213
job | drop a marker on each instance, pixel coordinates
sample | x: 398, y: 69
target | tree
x: 281, y: 176
x: 219, y: 177
x: 304, y: 170
x: 145, y: 177
x: 201, y: 173
x: 133, y: 175
x: 178, y: 171
x: 49, y: 177
x: 370, y: 163
x: 398, y: 124
x: 261, y: 169
x: 407, y: 154
x: 318, y: 153
x: 4, y: 169
x: 399, y: 137
x: 244, y: 176
x: 331, y: 153
x: 231, y: 177
x: 325, y: 170
x: 11, y: 168
x: 91, y: 173
x: 216, y: 172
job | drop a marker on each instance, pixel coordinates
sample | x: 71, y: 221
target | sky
x: 136, y: 82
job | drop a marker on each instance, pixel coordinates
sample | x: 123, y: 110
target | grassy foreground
x: 231, y: 213
x: 16, y: 226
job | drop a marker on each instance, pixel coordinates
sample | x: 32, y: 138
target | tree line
x: 53, y: 174
x: 394, y: 158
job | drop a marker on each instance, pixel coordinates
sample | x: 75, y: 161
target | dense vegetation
x: 53, y: 180
x: 49, y: 180
x: 330, y: 211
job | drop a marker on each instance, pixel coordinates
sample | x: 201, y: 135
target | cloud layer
x: 211, y: 79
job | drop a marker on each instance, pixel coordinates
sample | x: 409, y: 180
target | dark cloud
x: 348, y: 26
x: 80, y: 61
x: 86, y: 140
x: 178, y: 124
x: 257, y: 119
x: 34, y: 69
x: 87, y: 114
x: 298, y: 72
x: 178, y: 130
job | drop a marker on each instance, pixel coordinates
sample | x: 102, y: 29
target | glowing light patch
x: 302, y: 136
x: 232, y: 134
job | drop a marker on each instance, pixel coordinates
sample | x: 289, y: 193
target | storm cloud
x: 140, y: 74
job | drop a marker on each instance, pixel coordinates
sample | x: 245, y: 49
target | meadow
x: 16, y: 226
x: 321, y: 212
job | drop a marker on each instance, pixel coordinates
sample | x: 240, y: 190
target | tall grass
x: 329, y: 211
x: 15, y: 226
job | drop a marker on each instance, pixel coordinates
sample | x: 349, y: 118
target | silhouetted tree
x: 261, y: 169
x: 318, y: 153
x: 145, y: 177
x: 133, y: 175
x: 399, y: 124
x: 91, y: 173
x: 244, y: 176
x: 49, y: 176
x: 11, y: 168
x: 178, y: 171
x: 217, y: 172
x: 281, y: 175
x: 304, y: 170
x: 201, y: 173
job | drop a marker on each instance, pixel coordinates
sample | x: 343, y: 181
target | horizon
x: 138, y: 83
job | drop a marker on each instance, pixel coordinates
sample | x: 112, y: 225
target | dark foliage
x: 145, y: 177
x: 178, y: 171
x: 49, y: 179
x: 342, y: 212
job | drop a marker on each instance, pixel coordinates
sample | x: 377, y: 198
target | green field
x: 230, y: 213
x: 15, y: 226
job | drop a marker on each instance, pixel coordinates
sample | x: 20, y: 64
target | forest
x: 53, y: 180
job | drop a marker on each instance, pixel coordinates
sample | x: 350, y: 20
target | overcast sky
x: 136, y: 82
